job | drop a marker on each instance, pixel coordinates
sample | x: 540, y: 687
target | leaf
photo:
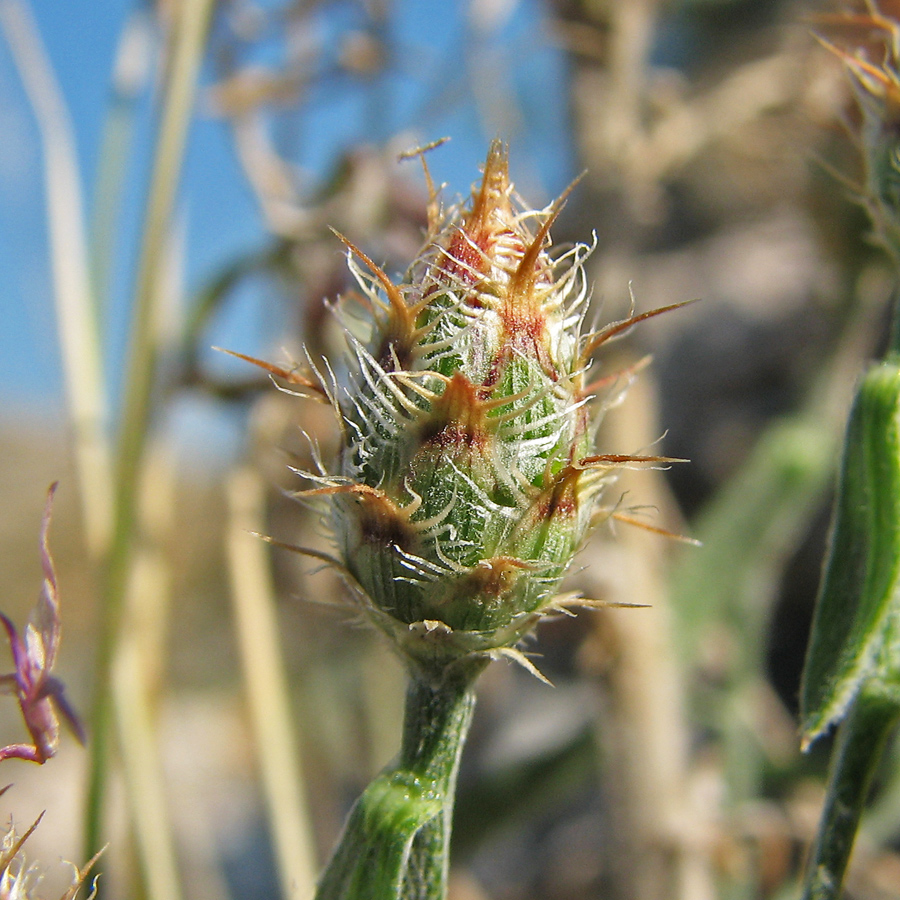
x: 858, y: 608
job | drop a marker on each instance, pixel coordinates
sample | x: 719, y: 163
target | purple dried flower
x: 40, y: 694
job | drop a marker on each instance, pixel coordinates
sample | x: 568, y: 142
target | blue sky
x: 81, y: 37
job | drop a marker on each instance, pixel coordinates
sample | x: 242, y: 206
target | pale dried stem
x: 274, y: 184
x: 648, y: 145
x: 137, y: 734
x: 76, y: 323
x: 621, y: 130
x: 132, y: 71
x: 632, y: 30
x: 663, y: 844
x: 149, y: 602
x: 688, y: 129
x: 495, y: 99
x: 136, y: 675
x: 80, y: 343
x: 257, y: 630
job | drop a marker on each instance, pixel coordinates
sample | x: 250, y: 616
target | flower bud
x: 465, y: 483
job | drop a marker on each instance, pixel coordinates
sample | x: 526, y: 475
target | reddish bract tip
x: 458, y: 417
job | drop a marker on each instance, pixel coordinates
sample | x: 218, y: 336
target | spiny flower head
x: 466, y: 480
x: 870, y: 52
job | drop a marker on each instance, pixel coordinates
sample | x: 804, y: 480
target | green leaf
x: 372, y: 859
x: 857, y: 611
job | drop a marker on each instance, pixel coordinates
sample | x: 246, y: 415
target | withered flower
x: 40, y: 694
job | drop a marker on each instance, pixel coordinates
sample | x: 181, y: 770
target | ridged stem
x: 856, y: 756
x: 396, y: 842
x: 435, y: 727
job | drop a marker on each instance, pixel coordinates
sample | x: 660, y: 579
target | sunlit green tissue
x: 855, y: 640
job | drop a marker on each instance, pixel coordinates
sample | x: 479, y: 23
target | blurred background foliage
x: 664, y: 763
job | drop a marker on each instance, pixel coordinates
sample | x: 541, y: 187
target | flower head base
x: 466, y: 480
x: 40, y: 694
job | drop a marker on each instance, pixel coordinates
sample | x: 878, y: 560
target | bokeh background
x: 715, y: 138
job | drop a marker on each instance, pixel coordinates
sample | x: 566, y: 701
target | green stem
x: 894, y: 341
x: 396, y: 842
x: 858, y: 751
x: 435, y: 727
x: 189, y: 44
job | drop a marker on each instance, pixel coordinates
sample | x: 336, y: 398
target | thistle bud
x: 465, y: 483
